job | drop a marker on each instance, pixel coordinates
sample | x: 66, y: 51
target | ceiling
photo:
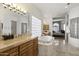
x: 54, y: 9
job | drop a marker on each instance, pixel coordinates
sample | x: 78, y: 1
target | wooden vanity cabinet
x: 29, y: 48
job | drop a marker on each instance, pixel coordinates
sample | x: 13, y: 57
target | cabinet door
x: 30, y: 51
x: 27, y: 52
x: 35, y: 47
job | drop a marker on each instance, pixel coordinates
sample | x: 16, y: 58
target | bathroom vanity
x: 20, y: 46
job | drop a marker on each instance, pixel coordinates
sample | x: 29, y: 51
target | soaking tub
x: 45, y: 40
x: 45, y: 45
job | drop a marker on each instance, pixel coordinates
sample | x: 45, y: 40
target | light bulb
x: 14, y: 5
x: 21, y: 10
x: 4, y: 5
x: 18, y: 8
x: 24, y: 11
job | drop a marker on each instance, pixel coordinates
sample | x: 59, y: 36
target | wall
x: 74, y: 12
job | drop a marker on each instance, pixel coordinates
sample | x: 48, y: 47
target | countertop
x: 7, y: 44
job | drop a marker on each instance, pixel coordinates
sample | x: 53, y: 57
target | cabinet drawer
x: 26, y: 47
x: 12, y: 51
x: 14, y: 54
x: 26, y: 44
x: 4, y: 54
x: 26, y: 51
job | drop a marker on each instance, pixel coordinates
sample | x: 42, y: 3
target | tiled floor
x: 58, y: 48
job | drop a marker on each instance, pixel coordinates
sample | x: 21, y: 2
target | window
x: 36, y: 26
x: 74, y: 27
x: 56, y: 27
x: 64, y: 27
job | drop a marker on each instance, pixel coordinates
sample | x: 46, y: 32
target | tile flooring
x: 58, y: 48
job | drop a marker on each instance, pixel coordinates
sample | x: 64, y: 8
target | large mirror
x: 13, y: 27
x: 23, y: 28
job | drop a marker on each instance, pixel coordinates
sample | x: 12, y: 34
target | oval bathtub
x: 45, y: 40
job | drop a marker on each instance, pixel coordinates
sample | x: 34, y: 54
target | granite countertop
x: 7, y: 44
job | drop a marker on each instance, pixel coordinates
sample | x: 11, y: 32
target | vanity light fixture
x: 19, y: 10
x: 24, y: 12
x: 13, y: 7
